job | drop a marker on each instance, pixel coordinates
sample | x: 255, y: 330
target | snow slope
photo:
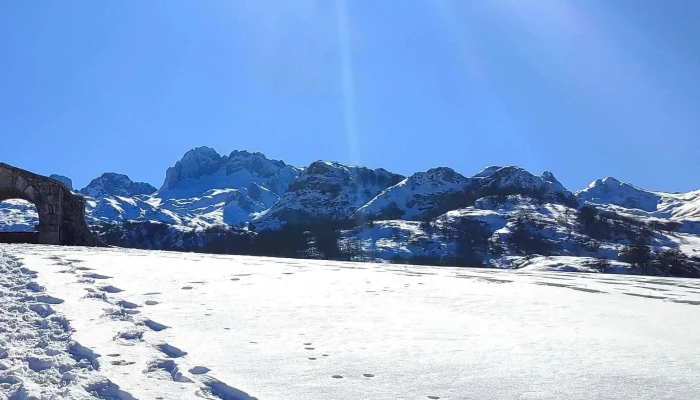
x: 610, y: 191
x: 178, y: 326
x: 418, y: 195
x: 438, y: 190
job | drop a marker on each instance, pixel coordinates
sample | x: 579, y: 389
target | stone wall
x: 61, y: 212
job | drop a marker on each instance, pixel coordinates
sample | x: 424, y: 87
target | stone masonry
x: 61, y: 212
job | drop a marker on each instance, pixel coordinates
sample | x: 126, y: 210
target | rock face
x: 421, y: 194
x: 113, y: 184
x: 326, y: 191
x: 202, y: 169
x: 61, y: 212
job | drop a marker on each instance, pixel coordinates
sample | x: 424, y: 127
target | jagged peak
x: 195, y: 163
x: 201, y: 151
x: 608, y: 182
x: 549, y: 176
x: 325, y: 167
x: 116, y: 184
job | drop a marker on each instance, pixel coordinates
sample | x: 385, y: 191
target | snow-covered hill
x: 408, y: 219
x: 121, y: 324
x: 610, y: 191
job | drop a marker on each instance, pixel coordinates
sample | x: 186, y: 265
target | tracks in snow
x: 142, y: 331
x: 38, y: 358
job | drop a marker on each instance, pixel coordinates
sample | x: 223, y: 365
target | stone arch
x: 61, y: 212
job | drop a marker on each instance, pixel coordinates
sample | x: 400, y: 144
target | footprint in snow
x: 93, y: 275
x: 127, y: 304
x: 110, y: 289
x: 119, y: 314
x: 170, y: 367
x: 154, y: 326
x: 198, y: 370
x: 43, y: 298
x: 170, y: 350
x: 43, y: 310
x: 151, y: 302
x: 132, y: 335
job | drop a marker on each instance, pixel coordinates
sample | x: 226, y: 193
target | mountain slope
x: 326, y: 191
x: 501, y: 216
x: 610, y: 191
x: 113, y: 184
x: 202, y: 169
x: 419, y: 195
x: 438, y: 190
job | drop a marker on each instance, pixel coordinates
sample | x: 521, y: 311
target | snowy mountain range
x: 386, y: 214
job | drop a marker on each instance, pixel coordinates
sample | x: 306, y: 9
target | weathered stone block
x: 21, y: 184
x: 31, y: 193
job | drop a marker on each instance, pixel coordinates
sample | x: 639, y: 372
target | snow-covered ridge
x: 417, y: 195
x: 415, y: 216
x: 438, y: 190
x: 326, y: 191
x: 610, y: 191
x: 205, y: 188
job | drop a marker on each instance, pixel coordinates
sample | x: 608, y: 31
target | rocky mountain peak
x: 63, y: 179
x: 196, y: 163
x: 113, y: 184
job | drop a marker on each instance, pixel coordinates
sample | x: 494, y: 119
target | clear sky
x: 585, y: 89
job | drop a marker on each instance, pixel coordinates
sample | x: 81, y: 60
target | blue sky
x: 585, y: 89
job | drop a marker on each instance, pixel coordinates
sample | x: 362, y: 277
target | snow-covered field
x: 127, y: 324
